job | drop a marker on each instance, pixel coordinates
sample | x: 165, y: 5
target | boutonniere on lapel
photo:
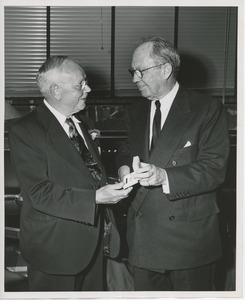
x: 94, y: 133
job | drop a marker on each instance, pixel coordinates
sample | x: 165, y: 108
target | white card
x: 129, y: 180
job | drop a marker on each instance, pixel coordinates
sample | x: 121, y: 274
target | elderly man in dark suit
x: 181, y: 139
x: 63, y: 184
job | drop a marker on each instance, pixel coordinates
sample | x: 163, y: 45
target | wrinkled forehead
x: 142, y: 55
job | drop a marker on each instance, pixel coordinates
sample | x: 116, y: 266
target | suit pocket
x: 201, y: 211
x: 37, y: 232
x: 183, y: 150
x: 184, y: 156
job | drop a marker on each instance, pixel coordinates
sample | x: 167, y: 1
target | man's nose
x: 87, y: 88
x: 135, y: 78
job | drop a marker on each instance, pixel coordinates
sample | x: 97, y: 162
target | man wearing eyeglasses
x: 181, y: 139
x: 63, y: 184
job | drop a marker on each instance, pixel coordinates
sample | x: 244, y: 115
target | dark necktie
x: 156, y: 128
x: 87, y: 157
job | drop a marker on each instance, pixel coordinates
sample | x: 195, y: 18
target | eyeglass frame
x: 133, y: 71
x: 81, y: 86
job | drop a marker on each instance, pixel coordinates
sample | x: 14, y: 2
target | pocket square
x: 188, y: 144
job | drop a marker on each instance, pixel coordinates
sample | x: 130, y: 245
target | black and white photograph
x: 122, y: 130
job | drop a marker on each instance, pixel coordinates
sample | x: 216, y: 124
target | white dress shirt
x: 166, y: 103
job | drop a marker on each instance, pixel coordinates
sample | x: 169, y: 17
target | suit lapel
x: 172, y: 131
x: 62, y: 144
x: 59, y: 140
x: 91, y: 144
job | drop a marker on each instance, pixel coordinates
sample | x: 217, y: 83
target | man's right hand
x: 112, y: 193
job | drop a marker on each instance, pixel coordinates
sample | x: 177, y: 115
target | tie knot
x: 69, y: 121
x: 158, y: 104
x: 72, y: 128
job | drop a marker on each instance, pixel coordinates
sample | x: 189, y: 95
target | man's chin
x: 82, y: 104
x: 81, y: 107
x: 144, y: 93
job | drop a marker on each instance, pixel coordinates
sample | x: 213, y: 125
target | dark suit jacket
x: 178, y: 230
x: 60, y: 221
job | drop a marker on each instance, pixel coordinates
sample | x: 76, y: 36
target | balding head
x: 161, y: 51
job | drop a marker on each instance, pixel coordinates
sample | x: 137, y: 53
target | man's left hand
x: 150, y: 175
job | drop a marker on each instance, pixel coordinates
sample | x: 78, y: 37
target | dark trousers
x: 196, y: 279
x: 90, y: 279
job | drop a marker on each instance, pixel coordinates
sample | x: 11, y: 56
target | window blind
x: 133, y: 24
x: 84, y: 34
x: 201, y: 42
x: 25, y: 49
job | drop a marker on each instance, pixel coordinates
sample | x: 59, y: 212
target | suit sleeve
x: 29, y: 156
x: 208, y: 170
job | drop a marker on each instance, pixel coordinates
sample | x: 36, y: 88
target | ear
x: 168, y: 69
x: 54, y: 91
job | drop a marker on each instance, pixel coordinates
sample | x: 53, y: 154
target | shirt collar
x: 171, y: 95
x: 59, y: 116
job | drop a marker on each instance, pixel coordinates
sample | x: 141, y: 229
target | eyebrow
x: 85, y: 78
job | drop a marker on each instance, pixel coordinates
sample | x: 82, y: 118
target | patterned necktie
x: 156, y: 124
x: 87, y: 157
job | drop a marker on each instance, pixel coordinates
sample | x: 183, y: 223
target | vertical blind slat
x: 25, y: 47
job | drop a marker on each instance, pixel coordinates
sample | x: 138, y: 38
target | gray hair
x: 57, y: 64
x: 164, y: 52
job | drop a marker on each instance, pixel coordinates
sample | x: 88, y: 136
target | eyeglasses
x: 139, y: 73
x: 81, y: 86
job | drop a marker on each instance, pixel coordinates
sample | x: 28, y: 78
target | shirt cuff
x: 165, y: 185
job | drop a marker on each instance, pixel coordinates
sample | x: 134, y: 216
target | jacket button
x: 139, y: 215
x: 171, y: 218
x: 174, y: 163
